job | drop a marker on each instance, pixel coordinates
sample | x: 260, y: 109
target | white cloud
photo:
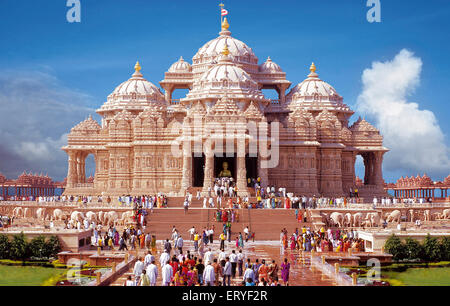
x: 414, y: 137
x: 37, y: 112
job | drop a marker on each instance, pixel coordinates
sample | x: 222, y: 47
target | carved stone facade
x: 149, y: 143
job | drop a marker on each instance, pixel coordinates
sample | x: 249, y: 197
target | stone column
x: 186, y: 181
x: 263, y: 173
x: 241, y: 177
x: 209, y: 170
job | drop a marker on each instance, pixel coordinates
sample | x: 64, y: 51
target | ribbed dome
x: 181, y: 66
x: 133, y: 94
x: 227, y: 71
x: 89, y: 125
x: 240, y: 53
x: 270, y: 67
x: 312, y: 86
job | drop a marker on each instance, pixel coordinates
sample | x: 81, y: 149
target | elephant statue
x: 348, y: 220
x: 373, y: 219
x: 18, y: 212
x: 357, y: 219
x: 91, y: 216
x: 77, y: 216
x: 394, y: 216
x: 111, y: 217
x: 58, y: 215
x: 446, y: 214
x: 101, y: 217
x: 125, y: 217
x: 40, y: 213
x: 426, y: 215
x: 27, y: 213
x: 337, y: 218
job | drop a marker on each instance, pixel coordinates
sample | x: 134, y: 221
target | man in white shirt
x: 249, y: 273
x: 180, y: 243
x: 152, y: 272
x: 240, y: 259
x: 209, y: 277
x: 148, y: 259
x: 137, y: 271
x: 164, y: 258
x: 167, y: 273
x: 209, y: 256
x: 233, y: 260
x: 192, y: 232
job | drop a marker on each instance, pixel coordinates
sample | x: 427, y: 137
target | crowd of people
x: 329, y: 240
x: 204, y: 267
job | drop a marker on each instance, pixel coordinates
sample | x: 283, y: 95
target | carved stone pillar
x: 263, y: 173
x: 241, y: 177
x: 209, y: 170
x: 72, y: 171
x: 187, y: 169
x: 377, y: 168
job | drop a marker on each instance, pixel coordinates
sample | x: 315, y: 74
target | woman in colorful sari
x: 293, y: 242
x: 263, y: 271
x: 285, y: 267
x: 116, y: 238
x: 191, y: 277
x: 273, y: 203
x: 233, y: 216
x: 178, y: 277
x: 142, y: 241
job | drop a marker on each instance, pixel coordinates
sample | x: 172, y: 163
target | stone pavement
x: 301, y: 273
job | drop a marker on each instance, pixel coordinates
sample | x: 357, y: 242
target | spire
x: 225, y: 27
x: 313, y: 73
x: 137, y: 70
x: 225, y: 51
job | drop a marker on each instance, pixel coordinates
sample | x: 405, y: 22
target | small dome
x: 312, y: 86
x: 181, y: 66
x: 134, y: 94
x: 270, y: 67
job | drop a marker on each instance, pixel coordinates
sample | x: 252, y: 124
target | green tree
x: 52, y: 246
x: 19, y: 247
x: 38, y: 247
x: 5, y: 246
x: 445, y: 248
x: 432, y: 249
x: 413, y: 248
x: 395, y: 247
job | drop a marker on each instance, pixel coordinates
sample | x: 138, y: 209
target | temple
x: 148, y: 142
x: 29, y: 185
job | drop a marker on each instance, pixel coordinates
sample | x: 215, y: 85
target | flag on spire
x: 224, y: 12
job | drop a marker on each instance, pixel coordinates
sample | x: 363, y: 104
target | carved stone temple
x: 148, y: 142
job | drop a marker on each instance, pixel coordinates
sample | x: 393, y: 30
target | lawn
x: 420, y: 277
x: 27, y: 276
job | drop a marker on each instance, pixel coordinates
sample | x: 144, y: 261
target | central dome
x: 240, y: 53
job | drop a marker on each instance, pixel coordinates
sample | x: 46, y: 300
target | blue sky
x: 86, y: 61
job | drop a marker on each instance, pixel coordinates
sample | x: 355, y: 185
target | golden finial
x: 312, y: 68
x: 225, y: 25
x: 137, y: 67
x: 225, y: 51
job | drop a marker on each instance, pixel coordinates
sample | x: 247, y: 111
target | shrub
x: 53, y: 247
x: 38, y: 247
x: 445, y: 247
x: 413, y: 248
x: 432, y: 249
x: 395, y: 247
x: 5, y: 247
x: 19, y: 247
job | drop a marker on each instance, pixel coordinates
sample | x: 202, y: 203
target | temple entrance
x: 219, y: 165
x: 198, y: 170
x: 251, y: 164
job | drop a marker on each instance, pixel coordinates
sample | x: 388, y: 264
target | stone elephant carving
x: 18, y: 212
x: 125, y: 217
x: 373, y: 219
x: 59, y: 215
x: 77, y: 216
x: 91, y: 216
x: 111, y: 217
x: 446, y: 214
x: 40, y: 213
x: 27, y: 213
x: 357, y: 219
x: 394, y: 216
x: 347, y: 219
x: 101, y: 217
x: 427, y: 215
x: 337, y: 218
